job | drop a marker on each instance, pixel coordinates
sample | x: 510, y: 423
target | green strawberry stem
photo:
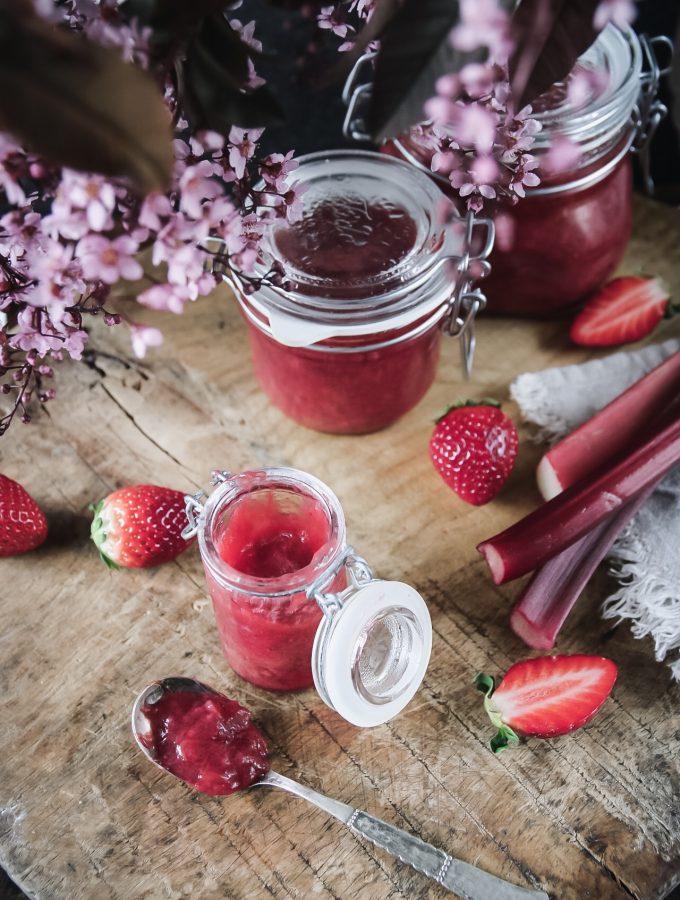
x: 98, y: 534
x: 505, y: 736
x: 459, y: 404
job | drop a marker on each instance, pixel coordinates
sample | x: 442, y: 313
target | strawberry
x: 139, y: 526
x: 23, y: 525
x: 473, y: 447
x: 624, y: 310
x: 546, y: 696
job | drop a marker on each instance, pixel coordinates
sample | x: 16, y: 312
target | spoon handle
x: 469, y: 882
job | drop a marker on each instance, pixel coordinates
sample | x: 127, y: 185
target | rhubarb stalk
x: 555, y: 587
x: 560, y: 522
x: 611, y: 430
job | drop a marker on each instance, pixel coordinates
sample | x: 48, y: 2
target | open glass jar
x: 569, y: 233
x: 352, y: 341
x: 294, y: 604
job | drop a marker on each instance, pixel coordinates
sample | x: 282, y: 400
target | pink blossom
x: 583, y: 84
x: 197, y: 185
x: 619, y: 12
x: 13, y: 190
x: 108, y: 261
x: 329, y: 20
x: 143, y: 336
x: 524, y: 176
x: 30, y: 335
x: 90, y: 193
x: 483, y: 23
x: 562, y: 156
x: 163, y: 297
x: 242, y: 147
x: 474, y: 125
x: 154, y: 208
x: 247, y: 33
x: 276, y: 167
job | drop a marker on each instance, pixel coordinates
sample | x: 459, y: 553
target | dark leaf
x: 80, y: 105
x: 414, y: 52
x: 212, y: 95
x: 372, y: 30
x: 172, y: 17
x: 550, y: 36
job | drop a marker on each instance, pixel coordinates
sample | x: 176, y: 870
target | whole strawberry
x: 23, y: 526
x: 473, y: 447
x: 139, y: 526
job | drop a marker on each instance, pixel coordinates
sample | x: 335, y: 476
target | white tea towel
x: 646, y: 557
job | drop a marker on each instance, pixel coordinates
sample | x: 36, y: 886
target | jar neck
x: 235, y: 490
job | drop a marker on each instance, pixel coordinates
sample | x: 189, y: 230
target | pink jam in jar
x: 568, y: 234
x: 352, y: 342
x: 295, y: 605
x: 270, y: 538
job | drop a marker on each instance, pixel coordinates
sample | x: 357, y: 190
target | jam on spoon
x: 205, y: 739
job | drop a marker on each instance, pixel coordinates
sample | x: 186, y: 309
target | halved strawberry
x: 624, y: 310
x: 546, y: 696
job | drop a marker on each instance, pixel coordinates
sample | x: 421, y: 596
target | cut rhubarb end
x: 526, y: 631
x: 494, y: 561
x: 547, y: 479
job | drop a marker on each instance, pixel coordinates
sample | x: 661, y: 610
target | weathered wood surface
x: 83, y: 815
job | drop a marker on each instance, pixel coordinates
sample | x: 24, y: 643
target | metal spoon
x: 463, y: 879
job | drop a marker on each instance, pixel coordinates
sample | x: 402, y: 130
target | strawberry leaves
x: 505, y: 737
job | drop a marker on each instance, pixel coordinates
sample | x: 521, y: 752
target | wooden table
x: 83, y: 815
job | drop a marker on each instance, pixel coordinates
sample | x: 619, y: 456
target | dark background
x: 314, y: 116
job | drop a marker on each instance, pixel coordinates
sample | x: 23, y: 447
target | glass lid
x: 370, y: 654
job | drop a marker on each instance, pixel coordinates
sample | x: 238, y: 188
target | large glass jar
x: 295, y: 606
x: 352, y: 341
x: 568, y: 234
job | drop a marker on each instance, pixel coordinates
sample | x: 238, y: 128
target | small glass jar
x: 294, y: 604
x: 352, y: 342
x: 569, y: 233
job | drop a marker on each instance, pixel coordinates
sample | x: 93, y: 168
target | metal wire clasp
x: 359, y: 572
x: 467, y: 300
x: 356, y: 94
x: 649, y: 111
x: 193, y: 505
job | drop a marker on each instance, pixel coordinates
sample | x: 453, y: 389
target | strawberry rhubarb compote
x: 566, y: 237
x: 350, y: 342
x: 207, y: 740
x: 270, y: 536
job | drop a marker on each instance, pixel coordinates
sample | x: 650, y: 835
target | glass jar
x: 352, y: 342
x: 294, y: 604
x: 569, y: 234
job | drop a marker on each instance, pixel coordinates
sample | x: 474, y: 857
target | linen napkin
x: 646, y: 557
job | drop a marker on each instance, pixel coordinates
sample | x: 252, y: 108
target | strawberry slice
x: 624, y: 310
x: 546, y: 696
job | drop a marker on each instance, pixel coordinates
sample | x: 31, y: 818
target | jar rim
x: 416, y: 285
x: 270, y: 478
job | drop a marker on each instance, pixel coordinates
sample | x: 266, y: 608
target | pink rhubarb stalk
x: 560, y: 522
x: 610, y: 431
x: 553, y: 589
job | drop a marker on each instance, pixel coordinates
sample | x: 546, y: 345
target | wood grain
x: 82, y: 815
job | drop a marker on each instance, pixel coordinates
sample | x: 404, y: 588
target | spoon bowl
x: 151, y: 694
